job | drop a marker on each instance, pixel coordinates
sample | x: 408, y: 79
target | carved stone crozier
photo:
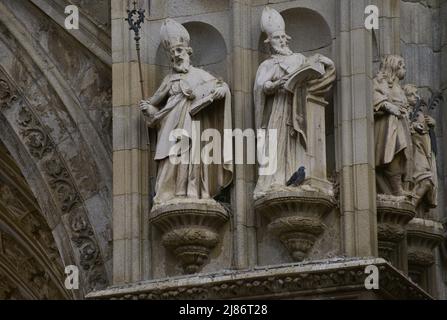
x: 184, y: 209
x: 289, y: 98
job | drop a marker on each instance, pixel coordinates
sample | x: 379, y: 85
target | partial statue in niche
x: 189, y: 101
x: 393, y: 147
x: 425, y: 178
x: 282, y: 86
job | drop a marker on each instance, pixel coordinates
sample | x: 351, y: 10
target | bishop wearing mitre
x: 187, y: 99
x: 281, y: 108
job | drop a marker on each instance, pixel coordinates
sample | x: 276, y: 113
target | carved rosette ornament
x: 393, y: 214
x: 190, y: 230
x: 296, y: 218
x: 423, y: 236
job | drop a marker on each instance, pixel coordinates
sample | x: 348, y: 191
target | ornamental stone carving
x: 190, y: 230
x: 7, y: 96
x: 41, y: 147
x: 294, y: 281
x: 423, y: 237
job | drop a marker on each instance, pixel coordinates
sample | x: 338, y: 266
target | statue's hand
x: 419, y: 127
x: 393, y: 109
x: 430, y: 121
x: 273, y: 86
x: 152, y: 121
x: 219, y: 93
x: 149, y: 112
x: 292, y: 132
x: 326, y: 61
x: 404, y: 111
x: 144, y: 107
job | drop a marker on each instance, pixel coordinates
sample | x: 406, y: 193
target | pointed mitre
x: 272, y: 21
x: 173, y: 34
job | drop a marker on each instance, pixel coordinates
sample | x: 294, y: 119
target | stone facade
x: 78, y: 179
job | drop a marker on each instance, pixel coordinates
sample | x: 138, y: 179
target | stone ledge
x: 324, y: 278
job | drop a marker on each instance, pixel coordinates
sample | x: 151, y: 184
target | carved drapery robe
x: 424, y: 159
x: 392, y: 135
x: 285, y: 112
x: 174, y: 98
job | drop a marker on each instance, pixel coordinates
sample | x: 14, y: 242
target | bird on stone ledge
x: 297, y: 178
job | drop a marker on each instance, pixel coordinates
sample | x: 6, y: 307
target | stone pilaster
x: 131, y: 252
x: 244, y: 238
x: 389, y: 27
x: 355, y: 129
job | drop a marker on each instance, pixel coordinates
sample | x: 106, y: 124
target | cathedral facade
x: 309, y: 144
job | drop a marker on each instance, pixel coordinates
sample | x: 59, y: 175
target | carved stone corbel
x: 296, y: 218
x: 423, y: 236
x: 190, y: 230
x: 393, y: 214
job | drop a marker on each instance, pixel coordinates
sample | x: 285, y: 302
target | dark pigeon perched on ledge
x: 297, y: 178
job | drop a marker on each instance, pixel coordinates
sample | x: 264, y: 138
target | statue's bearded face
x: 280, y: 43
x: 180, y: 59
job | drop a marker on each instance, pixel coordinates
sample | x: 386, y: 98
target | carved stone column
x: 393, y: 214
x: 423, y: 236
x: 190, y: 230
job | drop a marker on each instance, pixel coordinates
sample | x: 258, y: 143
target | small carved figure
x: 424, y: 158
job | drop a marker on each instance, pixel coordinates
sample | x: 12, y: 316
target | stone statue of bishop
x: 181, y: 172
x: 284, y: 109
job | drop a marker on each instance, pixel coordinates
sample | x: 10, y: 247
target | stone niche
x: 296, y: 224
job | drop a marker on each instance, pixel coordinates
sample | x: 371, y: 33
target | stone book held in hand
x: 204, y: 94
x: 200, y: 104
x: 308, y: 71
